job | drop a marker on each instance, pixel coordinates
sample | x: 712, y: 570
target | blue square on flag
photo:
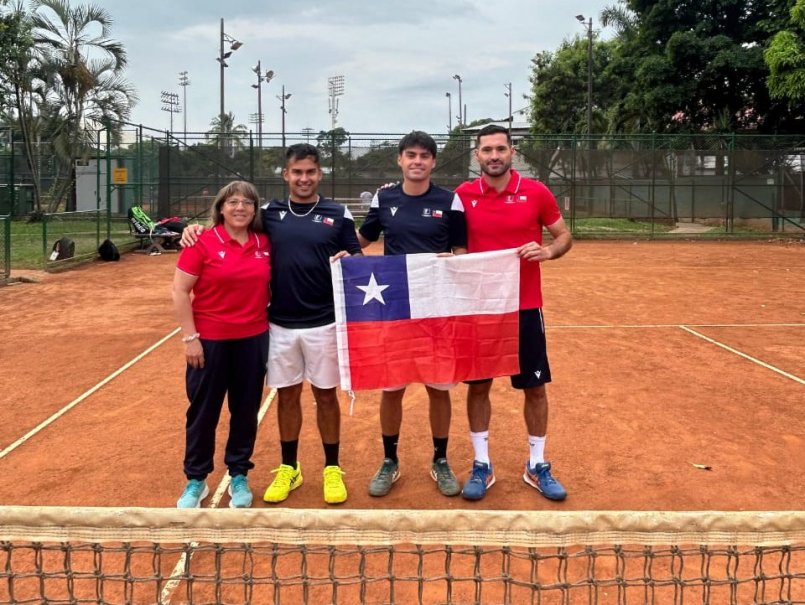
x: 375, y: 288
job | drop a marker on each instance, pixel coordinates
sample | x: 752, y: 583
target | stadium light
x: 589, y: 25
x: 460, y: 102
x: 449, y: 112
x: 261, y: 77
x: 335, y: 89
x: 222, y: 56
x: 184, y: 82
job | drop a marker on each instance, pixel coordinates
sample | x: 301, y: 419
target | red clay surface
x: 636, y: 399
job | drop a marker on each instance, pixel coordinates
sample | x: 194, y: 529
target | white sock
x: 536, y: 450
x: 480, y: 443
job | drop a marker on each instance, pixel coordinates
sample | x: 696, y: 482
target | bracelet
x: 190, y: 338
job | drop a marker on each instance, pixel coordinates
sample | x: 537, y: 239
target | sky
x: 397, y: 58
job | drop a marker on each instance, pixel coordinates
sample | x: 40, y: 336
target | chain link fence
x: 606, y: 186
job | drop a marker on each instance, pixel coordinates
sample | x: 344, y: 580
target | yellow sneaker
x: 335, y: 492
x: 287, y: 479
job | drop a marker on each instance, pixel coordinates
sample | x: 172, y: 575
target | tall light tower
x: 460, y: 102
x: 449, y: 112
x: 184, y: 82
x: 282, y: 98
x: 222, y: 57
x: 170, y: 103
x: 508, y: 93
x: 261, y: 77
x: 335, y: 89
x: 589, y: 25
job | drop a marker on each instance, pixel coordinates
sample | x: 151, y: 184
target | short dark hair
x: 417, y: 138
x: 300, y: 151
x: 492, y: 129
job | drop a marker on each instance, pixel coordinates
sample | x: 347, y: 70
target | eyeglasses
x: 232, y: 203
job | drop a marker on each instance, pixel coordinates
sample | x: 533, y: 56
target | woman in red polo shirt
x: 225, y: 330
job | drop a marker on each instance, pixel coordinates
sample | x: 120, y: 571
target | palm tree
x: 226, y: 134
x: 85, y: 83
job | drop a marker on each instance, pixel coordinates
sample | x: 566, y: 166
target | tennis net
x: 212, y: 556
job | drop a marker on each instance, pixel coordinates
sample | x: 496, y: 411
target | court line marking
x: 45, y: 423
x: 174, y: 579
x: 744, y: 355
x: 584, y: 326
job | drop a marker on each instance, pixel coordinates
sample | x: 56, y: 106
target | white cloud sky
x: 397, y: 58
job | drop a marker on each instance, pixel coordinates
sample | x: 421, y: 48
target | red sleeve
x: 191, y: 260
x: 549, y: 210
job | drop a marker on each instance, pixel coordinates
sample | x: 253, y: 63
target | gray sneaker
x: 386, y: 475
x: 444, y: 477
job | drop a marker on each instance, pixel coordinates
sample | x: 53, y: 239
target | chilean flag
x: 426, y: 319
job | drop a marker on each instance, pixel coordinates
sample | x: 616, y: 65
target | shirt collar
x: 512, y: 187
x: 223, y: 236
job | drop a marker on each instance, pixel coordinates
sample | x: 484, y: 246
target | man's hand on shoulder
x: 190, y: 235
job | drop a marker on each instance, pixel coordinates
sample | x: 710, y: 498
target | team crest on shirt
x: 393, y: 210
x: 522, y: 198
x: 474, y: 203
x: 318, y: 218
x: 437, y: 214
x: 509, y: 199
x: 282, y: 214
x: 328, y: 221
x: 222, y: 254
x: 426, y: 212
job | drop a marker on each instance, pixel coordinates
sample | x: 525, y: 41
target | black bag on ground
x: 108, y: 251
x: 63, y: 248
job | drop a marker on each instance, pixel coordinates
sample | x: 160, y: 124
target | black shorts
x: 534, y: 368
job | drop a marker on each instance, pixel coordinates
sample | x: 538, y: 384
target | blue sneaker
x: 540, y: 478
x: 241, y: 495
x: 482, y: 477
x: 194, y: 492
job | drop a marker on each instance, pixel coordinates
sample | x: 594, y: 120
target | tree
x: 82, y: 71
x: 227, y: 134
x: 785, y: 57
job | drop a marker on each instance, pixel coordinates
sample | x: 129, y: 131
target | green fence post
x: 108, y: 182
x: 573, y: 184
x: 7, y: 245
x: 98, y: 187
x: 12, y: 198
x: 653, y: 181
x: 44, y: 241
x: 731, y: 184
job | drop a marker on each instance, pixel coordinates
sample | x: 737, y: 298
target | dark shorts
x: 534, y: 368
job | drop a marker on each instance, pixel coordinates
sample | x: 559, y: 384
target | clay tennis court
x: 665, y: 355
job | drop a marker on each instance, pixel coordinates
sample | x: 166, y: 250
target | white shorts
x: 438, y: 387
x: 297, y: 354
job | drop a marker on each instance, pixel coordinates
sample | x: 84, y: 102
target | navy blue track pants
x: 235, y: 369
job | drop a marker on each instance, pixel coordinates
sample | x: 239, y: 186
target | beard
x: 496, y: 169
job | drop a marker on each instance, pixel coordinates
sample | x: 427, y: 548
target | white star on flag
x: 373, y: 291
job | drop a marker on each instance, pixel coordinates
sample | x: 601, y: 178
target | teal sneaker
x: 444, y: 477
x: 241, y: 495
x: 384, y: 478
x: 194, y: 492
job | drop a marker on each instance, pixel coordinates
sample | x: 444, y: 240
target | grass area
x: 617, y: 225
x: 27, y: 239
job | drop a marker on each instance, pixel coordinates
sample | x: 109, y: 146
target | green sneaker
x: 386, y: 475
x: 444, y: 477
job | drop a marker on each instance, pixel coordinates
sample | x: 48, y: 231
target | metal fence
x: 606, y: 186
x: 727, y: 185
x: 5, y: 247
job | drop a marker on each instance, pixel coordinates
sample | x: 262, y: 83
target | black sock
x: 331, y: 454
x: 289, y: 449
x: 390, y: 446
x: 439, y: 448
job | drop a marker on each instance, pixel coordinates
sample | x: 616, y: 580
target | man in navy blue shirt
x: 415, y: 216
x: 306, y: 233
